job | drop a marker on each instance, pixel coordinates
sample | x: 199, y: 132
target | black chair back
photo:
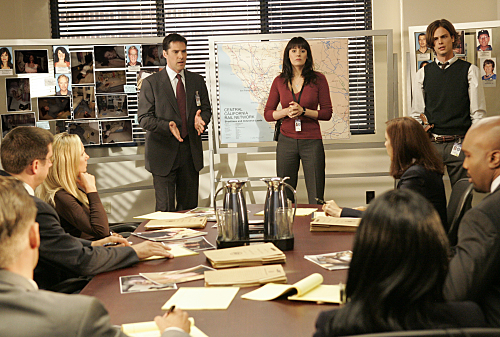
x: 460, y: 202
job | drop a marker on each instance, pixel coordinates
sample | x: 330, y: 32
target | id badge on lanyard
x: 298, y: 122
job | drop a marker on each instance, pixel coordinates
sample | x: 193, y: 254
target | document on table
x: 164, y: 216
x: 246, y: 277
x: 150, y: 329
x: 300, y: 211
x: 200, y: 298
x: 176, y: 251
x: 333, y: 224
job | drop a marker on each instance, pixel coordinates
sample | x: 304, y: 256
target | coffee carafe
x: 234, y: 200
x: 277, y: 201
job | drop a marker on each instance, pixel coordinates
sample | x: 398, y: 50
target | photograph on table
x: 88, y: 131
x: 6, y: 61
x: 137, y: 283
x: 18, y: 94
x: 151, y: 54
x: 62, y: 64
x: 488, y: 72
x: 84, y: 102
x: 63, y: 85
x: 109, y: 57
x: 112, y: 106
x: 82, y: 69
x: 143, y: 74
x: 32, y: 61
x: 11, y: 121
x: 110, y: 81
x: 54, y: 107
x: 116, y: 131
x: 134, y: 59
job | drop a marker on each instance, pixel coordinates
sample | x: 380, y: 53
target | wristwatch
x: 303, y: 111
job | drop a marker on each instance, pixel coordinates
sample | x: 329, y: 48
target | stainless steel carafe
x: 276, y: 197
x: 234, y: 199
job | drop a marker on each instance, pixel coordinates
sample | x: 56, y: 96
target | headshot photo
x: 31, y: 61
x: 82, y: 67
x: 87, y: 131
x: 421, y: 47
x: 150, y: 55
x: 133, y: 56
x: 6, y: 64
x: 484, y: 39
x: 488, y: 71
x: 63, y: 85
x: 18, y: 94
x: 116, y: 131
x: 109, y: 56
x: 112, y: 106
x: 110, y: 81
x: 11, y: 121
x: 83, y: 102
x: 54, y: 107
x: 62, y: 62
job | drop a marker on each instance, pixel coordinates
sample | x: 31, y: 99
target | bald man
x: 474, y: 272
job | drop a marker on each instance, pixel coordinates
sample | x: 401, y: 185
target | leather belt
x: 445, y: 139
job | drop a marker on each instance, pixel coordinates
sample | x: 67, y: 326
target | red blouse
x: 312, y: 96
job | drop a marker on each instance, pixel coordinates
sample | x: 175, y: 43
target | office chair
x: 124, y: 229
x: 460, y: 202
x: 455, y: 332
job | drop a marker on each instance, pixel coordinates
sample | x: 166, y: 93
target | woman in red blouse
x: 305, y: 98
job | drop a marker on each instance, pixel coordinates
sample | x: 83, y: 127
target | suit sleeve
x: 412, y: 180
x: 77, y: 255
x: 148, y: 119
x: 94, y: 321
x: 351, y: 213
x: 476, y: 257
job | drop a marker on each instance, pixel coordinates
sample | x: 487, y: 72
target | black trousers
x: 289, y: 153
x: 180, y: 185
x: 453, y: 164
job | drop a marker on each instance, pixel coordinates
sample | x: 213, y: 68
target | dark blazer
x: 157, y: 107
x: 444, y: 315
x: 63, y: 256
x: 426, y: 183
x: 27, y: 311
x: 474, y: 272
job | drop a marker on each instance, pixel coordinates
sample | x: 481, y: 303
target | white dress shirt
x: 172, y: 75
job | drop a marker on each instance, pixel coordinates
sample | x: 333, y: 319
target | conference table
x: 279, y: 317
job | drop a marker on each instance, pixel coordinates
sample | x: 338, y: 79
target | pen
x: 321, y: 201
x: 172, y: 308
x: 109, y: 244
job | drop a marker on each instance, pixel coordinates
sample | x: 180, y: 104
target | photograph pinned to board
x: 18, y: 94
x: 151, y: 55
x: 6, y: 61
x: 459, y: 49
x: 84, y: 102
x: 11, y: 121
x: 62, y: 63
x: 112, y: 106
x: 116, y: 131
x: 484, y: 42
x: 422, y: 51
x: 63, y: 84
x: 32, y: 61
x: 488, y: 72
x: 54, y: 126
x: 87, y: 131
x: 54, y: 107
x: 133, y: 57
x: 143, y: 74
x: 110, y: 81
x: 137, y: 283
x: 109, y: 56
x: 82, y: 67
x: 421, y: 64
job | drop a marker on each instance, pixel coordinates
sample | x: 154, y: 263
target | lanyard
x: 300, y: 94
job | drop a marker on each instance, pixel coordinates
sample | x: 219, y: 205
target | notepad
x: 300, y: 211
x: 307, y: 289
x: 150, y: 329
x: 246, y: 277
x: 199, y: 298
x: 190, y: 222
x: 164, y: 216
x: 333, y: 224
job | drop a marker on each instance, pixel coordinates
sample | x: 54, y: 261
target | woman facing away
x: 397, y: 272
x: 414, y: 161
x: 72, y: 191
x: 305, y: 98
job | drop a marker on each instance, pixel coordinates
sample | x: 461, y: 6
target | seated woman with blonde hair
x: 72, y: 191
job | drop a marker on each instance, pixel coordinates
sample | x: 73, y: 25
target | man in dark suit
x: 27, y: 311
x: 26, y: 154
x: 174, y: 109
x: 474, y: 272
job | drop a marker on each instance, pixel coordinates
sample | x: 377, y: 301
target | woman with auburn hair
x: 414, y: 161
x: 397, y: 272
x: 72, y: 191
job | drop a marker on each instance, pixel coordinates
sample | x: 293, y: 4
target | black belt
x: 446, y: 139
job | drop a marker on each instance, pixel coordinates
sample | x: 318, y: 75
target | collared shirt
x: 476, y: 93
x: 495, y: 184
x: 29, y: 189
x: 172, y: 75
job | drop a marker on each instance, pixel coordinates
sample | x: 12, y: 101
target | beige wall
x: 25, y: 19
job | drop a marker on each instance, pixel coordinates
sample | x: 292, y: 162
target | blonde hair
x: 64, y: 171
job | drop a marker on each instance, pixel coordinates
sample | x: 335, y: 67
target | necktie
x: 443, y: 65
x: 181, y: 103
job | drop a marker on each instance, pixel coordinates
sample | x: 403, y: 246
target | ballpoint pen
x: 321, y: 201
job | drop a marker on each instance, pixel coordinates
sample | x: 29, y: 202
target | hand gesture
x: 294, y: 110
x: 199, y: 123
x: 175, y: 131
x: 176, y: 318
x: 332, y: 209
x: 87, y: 182
x: 148, y: 248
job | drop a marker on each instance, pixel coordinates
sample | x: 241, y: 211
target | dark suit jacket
x: 426, y: 183
x: 444, y: 315
x: 63, y: 256
x: 157, y: 107
x: 474, y: 272
x: 30, y: 312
